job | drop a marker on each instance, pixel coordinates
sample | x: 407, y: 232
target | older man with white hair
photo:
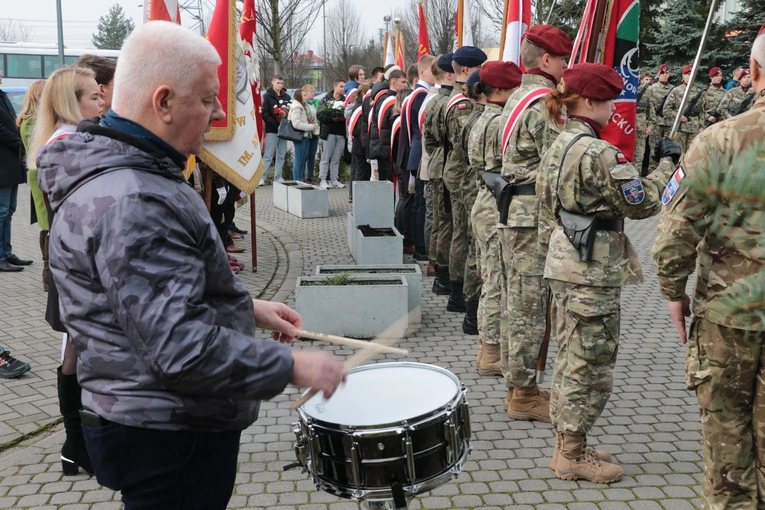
x: 170, y: 369
x: 726, y: 345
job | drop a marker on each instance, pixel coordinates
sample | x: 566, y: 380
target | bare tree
x: 344, y: 39
x: 561, y: 13
x: 12, y: 30
x: 282, y: 28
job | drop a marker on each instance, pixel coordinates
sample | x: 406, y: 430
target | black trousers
x: 361, y: 170
x: 404, y: 208
x: 163, y: 469
x: 417, y: 218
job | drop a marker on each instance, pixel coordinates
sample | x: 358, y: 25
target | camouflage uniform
x: 641, y: 125
x: 712, y: 98
x: 454, y: 177
x: 725, y: 347
x: 732, y: 101
x: 596, y: 178
x: 659, y: 126
x: 433, y: 140
x: 690, y: 128
x: 469, y: 192
x: 526, y: 291
x: 484, y: 155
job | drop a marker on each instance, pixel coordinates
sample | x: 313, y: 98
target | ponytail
x: 557, y: 100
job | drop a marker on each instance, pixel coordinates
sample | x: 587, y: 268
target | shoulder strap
x: 456, y: 99
x: 486, y: 129
x: 355, y: 116
x: 466, y: 130
x: 384, y: 107
x: 520, y: 108
x: 562, y: 159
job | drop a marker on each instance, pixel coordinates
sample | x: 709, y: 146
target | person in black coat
x: 276, y: 97
x: 12, y: 173
x: 360, y: 168
x: 382, y: 124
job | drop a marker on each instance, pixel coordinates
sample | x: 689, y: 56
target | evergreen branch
x: 747, y: 296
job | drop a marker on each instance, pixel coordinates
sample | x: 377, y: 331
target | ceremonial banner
x: 400, y: 50
x: 388, y: 57
x: 162, y: 10
x: 423, y: 46
x: 517, y: 19
x: 247, y: 31
x: 609, y: 35
x: 464, y: 32
x: 233, y: 146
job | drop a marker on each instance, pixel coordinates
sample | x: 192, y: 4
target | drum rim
x: 414, y: 420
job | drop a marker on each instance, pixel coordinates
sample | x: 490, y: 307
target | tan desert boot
x: 600, y: 454
x: 529, y: 404
x: 509, y: 396
x: 577, y: 462
x: 489, y: 362
x: 480, y: 354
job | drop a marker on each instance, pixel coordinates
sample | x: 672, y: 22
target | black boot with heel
x: 74, y: 454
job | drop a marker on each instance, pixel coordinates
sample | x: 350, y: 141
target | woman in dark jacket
x: 360, y: 168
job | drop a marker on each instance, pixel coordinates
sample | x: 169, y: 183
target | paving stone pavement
x: 651, y: 423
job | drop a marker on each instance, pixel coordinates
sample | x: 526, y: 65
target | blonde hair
x: 305, y: 88
x: 59, y: 105
x: 31, y: 100
x: 155, y: 54
x: 531, y: 54
x: 400, y: 96
x: 557, y: 100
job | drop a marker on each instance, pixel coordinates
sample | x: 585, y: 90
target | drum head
x: 385, y: 393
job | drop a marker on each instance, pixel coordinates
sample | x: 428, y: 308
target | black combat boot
x: 456, y: 301
x: 470, y: 322
x: 74, y: 453
x: 441, y: 284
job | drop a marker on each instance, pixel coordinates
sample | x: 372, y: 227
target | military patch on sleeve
x: 633, y: 192
x: 621, y: 158
x: 672, y: 186
x: 462, y: 106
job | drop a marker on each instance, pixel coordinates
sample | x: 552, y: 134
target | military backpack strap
x: 486, y: 129
x: 563, y: 159
x: 466, y: 130
x: 745, y: 104
x: 660, y: 107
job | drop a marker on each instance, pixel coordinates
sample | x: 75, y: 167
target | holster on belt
x: 580, y: 229
x: 502, y: 192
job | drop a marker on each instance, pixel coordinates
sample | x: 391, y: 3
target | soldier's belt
x: 526, y: 189
x: 580, y: 230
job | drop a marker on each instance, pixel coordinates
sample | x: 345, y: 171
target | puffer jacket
x: 162, y: 327
x: 382, y: 126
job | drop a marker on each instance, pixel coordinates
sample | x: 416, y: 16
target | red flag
x: 517, y: 20
x: 400, y: 50
x: 160, y: 11
x: 247, y: 30
x: 222, y: 34
x: 423, y: 47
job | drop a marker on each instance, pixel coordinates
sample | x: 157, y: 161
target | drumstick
x: 359, y: 358
x: 352, y: 342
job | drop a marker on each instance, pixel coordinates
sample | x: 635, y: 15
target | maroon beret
x: 501, y: 75
x: 687, y: 69
x: 762, y: 30
x: 744, y: 72
x: 594, y: 81
x: 553, y: 40
x: 662, y: 68
x: 714, y: 72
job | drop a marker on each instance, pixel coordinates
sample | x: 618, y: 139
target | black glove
x: 666, y: 148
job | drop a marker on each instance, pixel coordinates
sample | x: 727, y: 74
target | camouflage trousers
x: 460, y: 239
x: 441, y: 229
x: 656, y: 135
x: 586, y: 327
x: 472, y: 279
x: 684, y: 139
x: 726, y: 367
x: 483, y: 218
x: 524, y: 309
x: 640, y: 142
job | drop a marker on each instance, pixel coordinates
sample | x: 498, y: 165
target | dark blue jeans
x: 310, y: 161
x: 8, y: 197
x: 300, y: 158
x: 162, y: 469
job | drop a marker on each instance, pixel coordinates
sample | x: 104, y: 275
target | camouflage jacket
x: 595, y: 178
x: 672, y: 104
x: 472, y: 172
x: 484, y: 152
x: 731, y: 252
x: 732, y: 102
x: 534, y: 133
x: 655, y: 96
x: 712, y: 98
x: 162, y: 328
x: 434, y: 132
x: 455, y: 120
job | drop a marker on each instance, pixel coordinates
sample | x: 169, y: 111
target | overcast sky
x: 81, y: 18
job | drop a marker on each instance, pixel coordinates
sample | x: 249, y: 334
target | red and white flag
x: 247, y: 31
x: 400, y: 50
x: 233, y: 146
x: 388, y: 57
x: 464, y: 31
x: 162, y: 10
x: 517, y: 20
x: 423, y: 46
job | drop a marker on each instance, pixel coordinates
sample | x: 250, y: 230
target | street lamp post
x: 324, y: 67
x: 60, y: 29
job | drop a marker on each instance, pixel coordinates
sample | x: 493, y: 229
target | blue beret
x: 475, y: 77
x: 469, y: 56
x: 445, y: 62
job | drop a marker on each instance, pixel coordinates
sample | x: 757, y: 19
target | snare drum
x: 402, y: 424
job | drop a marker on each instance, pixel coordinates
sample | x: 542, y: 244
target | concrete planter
x: 306, y: 201
x: 365, y: 309
x: 280, y: 194
x: 411, y: 272
x: 373, y: 203
x: 378, y: 250
x: 350, y: 231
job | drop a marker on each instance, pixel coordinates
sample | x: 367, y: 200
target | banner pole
x: 253, y: 236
